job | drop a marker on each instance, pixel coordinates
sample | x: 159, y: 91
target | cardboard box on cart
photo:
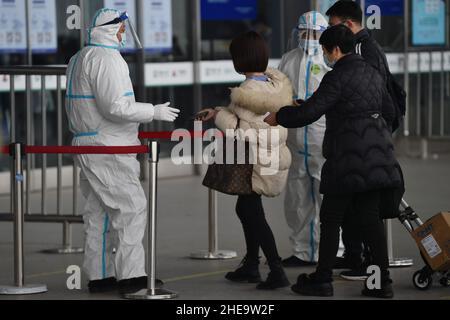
x: 433, y: 239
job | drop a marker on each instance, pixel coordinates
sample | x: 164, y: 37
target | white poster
x: 157, y: 35
x: 43, y: 32
x: 12, y: 26
x: 130, y: 7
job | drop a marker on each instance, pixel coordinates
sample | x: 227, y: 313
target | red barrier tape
x: 86, y: 150
x: 109, y: 150
x: 168, y: 134
x: 81, y: 150
x: 4, y: 150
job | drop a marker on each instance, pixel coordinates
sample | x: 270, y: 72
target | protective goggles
x: 124, y: 18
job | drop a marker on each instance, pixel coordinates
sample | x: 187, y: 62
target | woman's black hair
x: 249, y: 52
x: 338, y: 36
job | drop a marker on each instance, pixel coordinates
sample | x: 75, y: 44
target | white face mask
x: 123, y: 43
x: 310, y: 45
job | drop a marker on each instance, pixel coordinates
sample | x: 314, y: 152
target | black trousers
x: 257, y: 231
x: 361, y: 212
x: 356, y: 251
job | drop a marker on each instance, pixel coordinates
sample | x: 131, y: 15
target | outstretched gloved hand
x: 164, y: 113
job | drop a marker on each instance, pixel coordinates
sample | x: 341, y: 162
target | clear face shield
x: 306, y: 39
x: 125, y: 19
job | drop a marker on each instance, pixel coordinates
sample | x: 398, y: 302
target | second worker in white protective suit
x: 305, y: 67
x: 102, y: 111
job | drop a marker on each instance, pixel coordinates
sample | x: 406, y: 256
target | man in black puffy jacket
x: 359, y: 153
x: 350, y: 14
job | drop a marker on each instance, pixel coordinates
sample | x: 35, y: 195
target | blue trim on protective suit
x: 303, y: 153
x: 79, y: 97
x: 307, y: 155
x: 86, y: 134
x: 312, y: 244
x: 313, y: 196
x: 129, y: 94
x: 105, y: 231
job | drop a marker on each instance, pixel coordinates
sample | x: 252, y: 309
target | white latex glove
x: 164, y: 113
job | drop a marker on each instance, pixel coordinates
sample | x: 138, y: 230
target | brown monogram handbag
x: 232, y: 179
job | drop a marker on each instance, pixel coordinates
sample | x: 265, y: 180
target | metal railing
x: 428, y: 117
x: 43, y: 216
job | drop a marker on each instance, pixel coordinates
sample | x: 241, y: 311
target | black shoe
x: 105, y: 285
x: 341, y: 263
x: 348, y: 262
x: 359, y: 274
x: 248, y: 272
x: 293, y: 262
x: 309, y: 287
x: 135, y: 284
x: 345, y: 263
x: 276, y: 279
x: 385, y: 292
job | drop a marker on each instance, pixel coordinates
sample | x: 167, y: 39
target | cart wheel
x: 445, y: 282
x: 421, y: 281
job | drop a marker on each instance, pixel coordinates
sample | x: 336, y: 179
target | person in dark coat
x: 359, y: 153
x: 350, y: 14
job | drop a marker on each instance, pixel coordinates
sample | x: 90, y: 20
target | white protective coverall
x: 102, y: 111
x: 305, y: 67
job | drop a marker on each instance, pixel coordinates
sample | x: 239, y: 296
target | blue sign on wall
x: 428, y: 22
x: 229, y: 9
x: 388, y: 7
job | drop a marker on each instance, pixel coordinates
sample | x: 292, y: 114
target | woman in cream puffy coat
x: 250, y: 103
x: 263, y: 91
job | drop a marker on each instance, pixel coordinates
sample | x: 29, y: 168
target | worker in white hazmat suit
x: 305, y: 67
x: 102, y: 111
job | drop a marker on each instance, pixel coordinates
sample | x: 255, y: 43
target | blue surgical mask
x: 310, y: 45
x: 327, y: 61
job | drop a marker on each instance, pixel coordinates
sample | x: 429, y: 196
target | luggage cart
x: 422, y: 279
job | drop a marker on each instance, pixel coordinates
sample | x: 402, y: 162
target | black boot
x: 248, y: 272
x: 134, y: 285
x: 276, y: 279
x: 104, y: 285
x: 385, y: 292
x: 308, y: 285
x: 293, y: 262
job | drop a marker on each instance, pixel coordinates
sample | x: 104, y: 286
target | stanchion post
x: 213, y: 236
x: 213, y: 253
x: 152, y: 293
x: 395, y: 262
x: 19, y: 287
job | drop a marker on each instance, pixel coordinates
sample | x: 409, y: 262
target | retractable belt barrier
x: 212, y: 253
x: 17, y: 151
x: 80, y: 150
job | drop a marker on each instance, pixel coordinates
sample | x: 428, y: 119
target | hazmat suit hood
x: 104, y: 36
x: 307, y: 33
x: 304, y: 64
